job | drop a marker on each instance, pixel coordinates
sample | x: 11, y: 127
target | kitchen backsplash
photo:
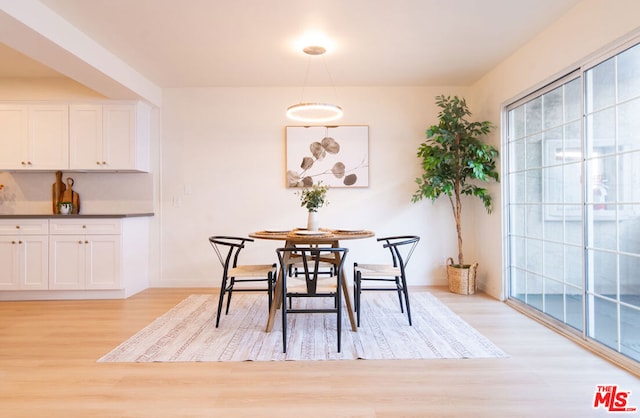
x: 100, y: 193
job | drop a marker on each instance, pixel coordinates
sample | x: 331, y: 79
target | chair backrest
x: 233, y: 247
x: 394, y: 245
x: 310, y: 259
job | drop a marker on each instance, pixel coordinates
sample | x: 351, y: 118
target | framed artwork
x: 336, y: 156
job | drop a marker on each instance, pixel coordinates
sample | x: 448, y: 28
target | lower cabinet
x: 23, y: 262
x: 73, y: 258
x: 84, y: 262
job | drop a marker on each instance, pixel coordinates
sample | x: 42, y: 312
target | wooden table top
x: 304, y: 236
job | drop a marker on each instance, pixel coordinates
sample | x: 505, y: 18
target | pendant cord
x: 306, y: 78
x: 326, y: 68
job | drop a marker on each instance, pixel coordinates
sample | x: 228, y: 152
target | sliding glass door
x: 573, y: 201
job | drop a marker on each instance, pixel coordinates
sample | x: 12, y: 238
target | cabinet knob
x: 19, y: 242
x: 84, y: 226
x: 13, y: 242
x: 98, y: 162
x: 86, y: 242
x: 23, y: 163
x: 17, y: 226
x: 79, y: 242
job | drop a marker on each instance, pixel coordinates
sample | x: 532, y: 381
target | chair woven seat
x: 257, y: 270
x: 381, y: 270
x: 325, y: 284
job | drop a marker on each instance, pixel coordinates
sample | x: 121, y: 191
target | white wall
x: 223, y: 158
x: 585, y: 30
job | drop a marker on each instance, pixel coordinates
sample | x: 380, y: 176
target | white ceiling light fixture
x: 314, y: 111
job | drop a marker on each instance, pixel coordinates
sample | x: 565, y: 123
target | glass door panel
x: 573, y: 202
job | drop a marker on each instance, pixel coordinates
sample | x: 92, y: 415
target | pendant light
x: 314, y: 111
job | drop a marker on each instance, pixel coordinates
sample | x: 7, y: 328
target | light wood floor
x: 48, y: 353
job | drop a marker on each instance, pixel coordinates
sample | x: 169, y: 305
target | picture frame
x: 336, y: 156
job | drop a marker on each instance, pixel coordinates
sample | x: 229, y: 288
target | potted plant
x: 454, y: 160
x: 313, y: 198
x: 65, y: 208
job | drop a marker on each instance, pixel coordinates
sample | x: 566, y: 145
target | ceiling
x: 203, y: 43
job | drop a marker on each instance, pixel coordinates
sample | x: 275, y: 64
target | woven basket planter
x: 462, y: 280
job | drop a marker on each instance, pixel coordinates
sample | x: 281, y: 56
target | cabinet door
x: 66, y: 261
x: 102, y: 262
x: 119, y: 137
x: 9, y: 261
x: 23, y: 262
x: 48, y: 145
x: 13, y: 136
x: 34, y: 254
x: 85, y: 137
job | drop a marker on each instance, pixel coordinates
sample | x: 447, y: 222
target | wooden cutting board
x: 70, y: 196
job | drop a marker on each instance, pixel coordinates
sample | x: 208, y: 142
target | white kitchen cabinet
x: 14, y: 128
x: 85, y: 137
x: 110, y: 137
x: 24, y: 255
x: 34, y: 136
x: 84, y: 254
x: 105, y: 136
x: 48, y: 147
x: 74, y: 257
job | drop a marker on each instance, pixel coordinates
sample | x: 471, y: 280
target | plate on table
x: 277, y: 231
x: 313, y: 233
x: 349, y: 231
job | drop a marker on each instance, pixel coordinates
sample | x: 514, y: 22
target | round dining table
x: 304, y: 237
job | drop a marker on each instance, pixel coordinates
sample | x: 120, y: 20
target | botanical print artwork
x: 337, y: 156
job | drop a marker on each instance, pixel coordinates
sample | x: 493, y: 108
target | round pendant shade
x: 314, y: 112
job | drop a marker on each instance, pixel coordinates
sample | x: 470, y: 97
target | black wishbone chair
x: 311, y: 282
x: 261, y: 277
x: 386, y: 277
x: 296, y: 267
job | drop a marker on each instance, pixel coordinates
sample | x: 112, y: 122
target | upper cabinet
x: 34, y: 136
x: 14, y: 127
x: 109, y: 136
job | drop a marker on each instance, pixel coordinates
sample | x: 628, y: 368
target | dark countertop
x: 78, y: 216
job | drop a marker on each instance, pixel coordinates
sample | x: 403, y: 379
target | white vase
x: 312, y: 221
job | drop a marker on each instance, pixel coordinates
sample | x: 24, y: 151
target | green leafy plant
x: 314, y: 197
x: 452, y: 156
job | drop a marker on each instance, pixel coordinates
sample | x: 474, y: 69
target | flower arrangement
x: 314, y: 197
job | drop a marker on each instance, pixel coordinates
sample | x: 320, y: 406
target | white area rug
x: 187, y: 333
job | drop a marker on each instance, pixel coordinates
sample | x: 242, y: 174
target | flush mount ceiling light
x: 314, y: 111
